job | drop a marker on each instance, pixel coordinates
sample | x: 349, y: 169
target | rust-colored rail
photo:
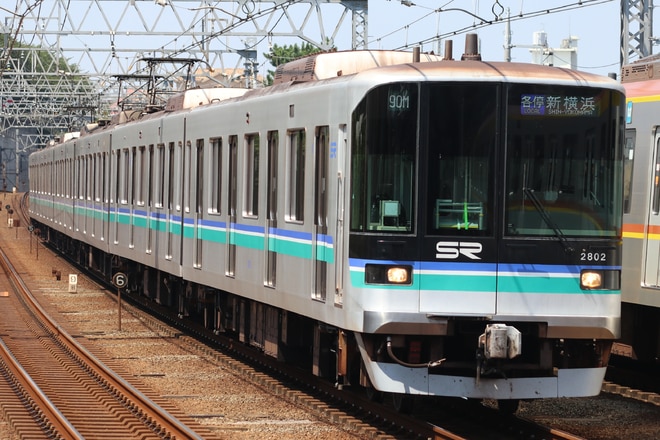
x: 46, y: 416
x: 356, y: 412
x: 149, y: 417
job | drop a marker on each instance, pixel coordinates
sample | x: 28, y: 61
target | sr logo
x: 451, y: 250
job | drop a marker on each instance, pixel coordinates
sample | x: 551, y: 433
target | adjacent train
x: 391, y: 220
x: 640, y: 309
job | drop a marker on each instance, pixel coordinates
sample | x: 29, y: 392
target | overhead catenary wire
x: 497, y: 19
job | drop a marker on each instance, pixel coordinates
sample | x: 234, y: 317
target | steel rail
x: 160, y: 417
x: 48, y: 413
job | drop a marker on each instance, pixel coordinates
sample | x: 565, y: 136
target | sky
x: 392, y: 24
x: 595, y: 23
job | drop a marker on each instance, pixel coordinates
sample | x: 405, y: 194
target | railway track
x: 53, y: 387
x: 430, y: 418
x: 359, y: 414
x: 23, y: 400
x: 624, y: 372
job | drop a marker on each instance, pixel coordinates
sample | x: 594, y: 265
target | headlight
x: 591, y: 279
x: 397, y: 275
x: 387, y: 274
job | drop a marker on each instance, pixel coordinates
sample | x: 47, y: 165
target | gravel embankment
x: 232, y: 405
x: 604, y: 417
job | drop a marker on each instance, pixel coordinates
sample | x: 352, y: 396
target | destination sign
x: 556, y: 105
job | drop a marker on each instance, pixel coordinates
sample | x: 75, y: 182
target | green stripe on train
x: 213, y: 235
x: 489, y: 283
x: 545, y: 284
x: 252, y: 241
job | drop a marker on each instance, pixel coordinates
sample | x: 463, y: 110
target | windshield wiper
x: 546, y: 218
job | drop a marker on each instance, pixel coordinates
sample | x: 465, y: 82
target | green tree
x: 283, y: 54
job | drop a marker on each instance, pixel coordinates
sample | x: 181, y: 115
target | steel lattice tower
x: 636, y: 30
x: 60, y: 59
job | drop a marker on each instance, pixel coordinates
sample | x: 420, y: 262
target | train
x: 411, y: 224
x: 640, y: 308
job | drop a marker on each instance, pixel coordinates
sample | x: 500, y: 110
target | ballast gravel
x: 234, y: 407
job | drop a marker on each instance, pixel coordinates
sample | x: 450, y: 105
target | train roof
x: 376, y: 66
x: 196, y: 97
x: 329, y: 65
x: 325, y: 65
x: 644, y: 69
x: 498, y: 71
x: 641, y: 79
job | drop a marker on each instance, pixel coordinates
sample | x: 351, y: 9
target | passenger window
x: 216, y: 176
x: 251, y: 207
x: 139, y: 180
x: 160, y: 177
x: 187, y: 175
x: 295, y: 202
x: 125, y: 173
x: 656, y: 178
x: 628, y: 157
x: 199, y: 184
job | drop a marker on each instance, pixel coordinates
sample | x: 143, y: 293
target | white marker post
x: 120, y: 280
x: 73, y: 283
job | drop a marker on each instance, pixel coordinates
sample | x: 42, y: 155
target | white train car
x: 640, y: 309
x: 414, y: 226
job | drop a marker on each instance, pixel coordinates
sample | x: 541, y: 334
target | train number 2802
x: 593, y: 256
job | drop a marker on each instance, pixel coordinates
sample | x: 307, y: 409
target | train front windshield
x: 433, y: 157
x: 563, y: 176
x: 385, y: 131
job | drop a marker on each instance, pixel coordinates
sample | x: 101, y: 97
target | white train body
x: 432, y: 266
